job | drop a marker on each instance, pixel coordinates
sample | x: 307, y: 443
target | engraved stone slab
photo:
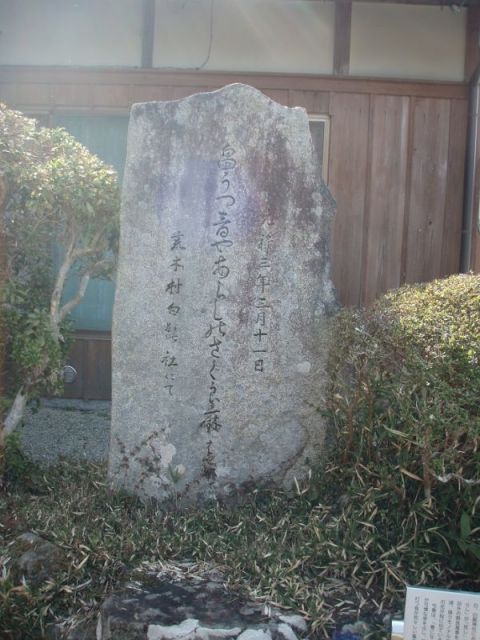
x: 223, y: 294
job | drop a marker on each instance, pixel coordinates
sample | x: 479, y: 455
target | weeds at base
x: 282, y: 548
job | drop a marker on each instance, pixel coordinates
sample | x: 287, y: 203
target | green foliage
x: 34, y: 349
x: 404, y: 398
x: 58, y: 193
x: 17, y: 604
x: 275, y: 547
x: 56, y: 188
x: 17, y: 467
x: 395, y: 503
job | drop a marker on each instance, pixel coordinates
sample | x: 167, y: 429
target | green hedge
x: 405, y: 402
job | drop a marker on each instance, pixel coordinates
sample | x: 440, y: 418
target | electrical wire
x: 209, y: 52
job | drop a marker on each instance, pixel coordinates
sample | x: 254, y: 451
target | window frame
x: 325, y: 118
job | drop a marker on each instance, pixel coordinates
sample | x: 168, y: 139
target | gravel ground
x: 67, y: 429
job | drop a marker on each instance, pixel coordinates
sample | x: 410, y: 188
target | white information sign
x: 435, y: 614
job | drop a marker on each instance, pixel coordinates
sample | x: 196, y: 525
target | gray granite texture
x: 223, y: 299
x: 66, y: 429
x: 35, y: 559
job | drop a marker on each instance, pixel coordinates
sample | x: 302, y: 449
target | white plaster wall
x: 290, y: 36
x: 71, y: 32
x: 407, y: 41
x: 285, y: 36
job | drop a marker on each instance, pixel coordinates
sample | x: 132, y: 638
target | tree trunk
x: 14, y: 417
x: 15, y: 413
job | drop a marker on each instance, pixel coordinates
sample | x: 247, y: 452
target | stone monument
x: 223, y: 297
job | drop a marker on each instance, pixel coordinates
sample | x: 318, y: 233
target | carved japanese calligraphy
x: 223, y: 295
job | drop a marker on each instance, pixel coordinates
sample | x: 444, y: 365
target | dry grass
x: 334, y: 558
x: 398, y: 503
x: 283, y: 548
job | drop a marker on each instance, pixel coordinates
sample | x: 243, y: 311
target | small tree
x: 57, y: 194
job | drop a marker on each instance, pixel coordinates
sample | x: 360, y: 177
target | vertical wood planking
x: 34, y: 95
x: 80, y: 95
x: 408, y: 188
x: 386, y: 202
x: 76, y: 359
x: 148, y: 93
x: 98, y: 384
x: 366, y: 224
x: 8, y: 94
x: 452, y: 228
x: 347, y: 182
x: 315, y: 102
x: 472, y: 51
x: 278, y: 95
x: 475, y: 254
x: 183, y: 92
x: 111, y: 96
x: 475, y: 262
x: 433, y: 143
x: 427, y: 189
x: 91, y: 356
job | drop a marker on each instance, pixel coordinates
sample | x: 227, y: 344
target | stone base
x: 188, y: 602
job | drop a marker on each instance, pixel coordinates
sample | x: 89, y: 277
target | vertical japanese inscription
x: 172, y: 289
x: 226, y: 306
x: 262, y: 300
x: 216, y: 333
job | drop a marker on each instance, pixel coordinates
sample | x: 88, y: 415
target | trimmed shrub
x: 53, y: 193
x: 405, y: 402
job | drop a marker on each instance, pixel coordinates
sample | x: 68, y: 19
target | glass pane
x: 106, y: 136
x: 317, y: 129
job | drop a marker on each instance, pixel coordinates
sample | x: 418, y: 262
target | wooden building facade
x: 395, y: 150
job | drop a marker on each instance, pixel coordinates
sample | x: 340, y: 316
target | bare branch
x: 91, y: 273
x: 15, y: 413
x: 83, y: 253
x: 68, y: 306
x: 99, y: 266
x: 60, y: 283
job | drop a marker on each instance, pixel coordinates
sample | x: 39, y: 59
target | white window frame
x: 313, y: 117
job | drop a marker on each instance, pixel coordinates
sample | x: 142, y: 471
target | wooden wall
x: 397, y: 174
x: 395, y: 162
x: 396, y: 158
x: 396, y: 171
x: 91, y: 357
